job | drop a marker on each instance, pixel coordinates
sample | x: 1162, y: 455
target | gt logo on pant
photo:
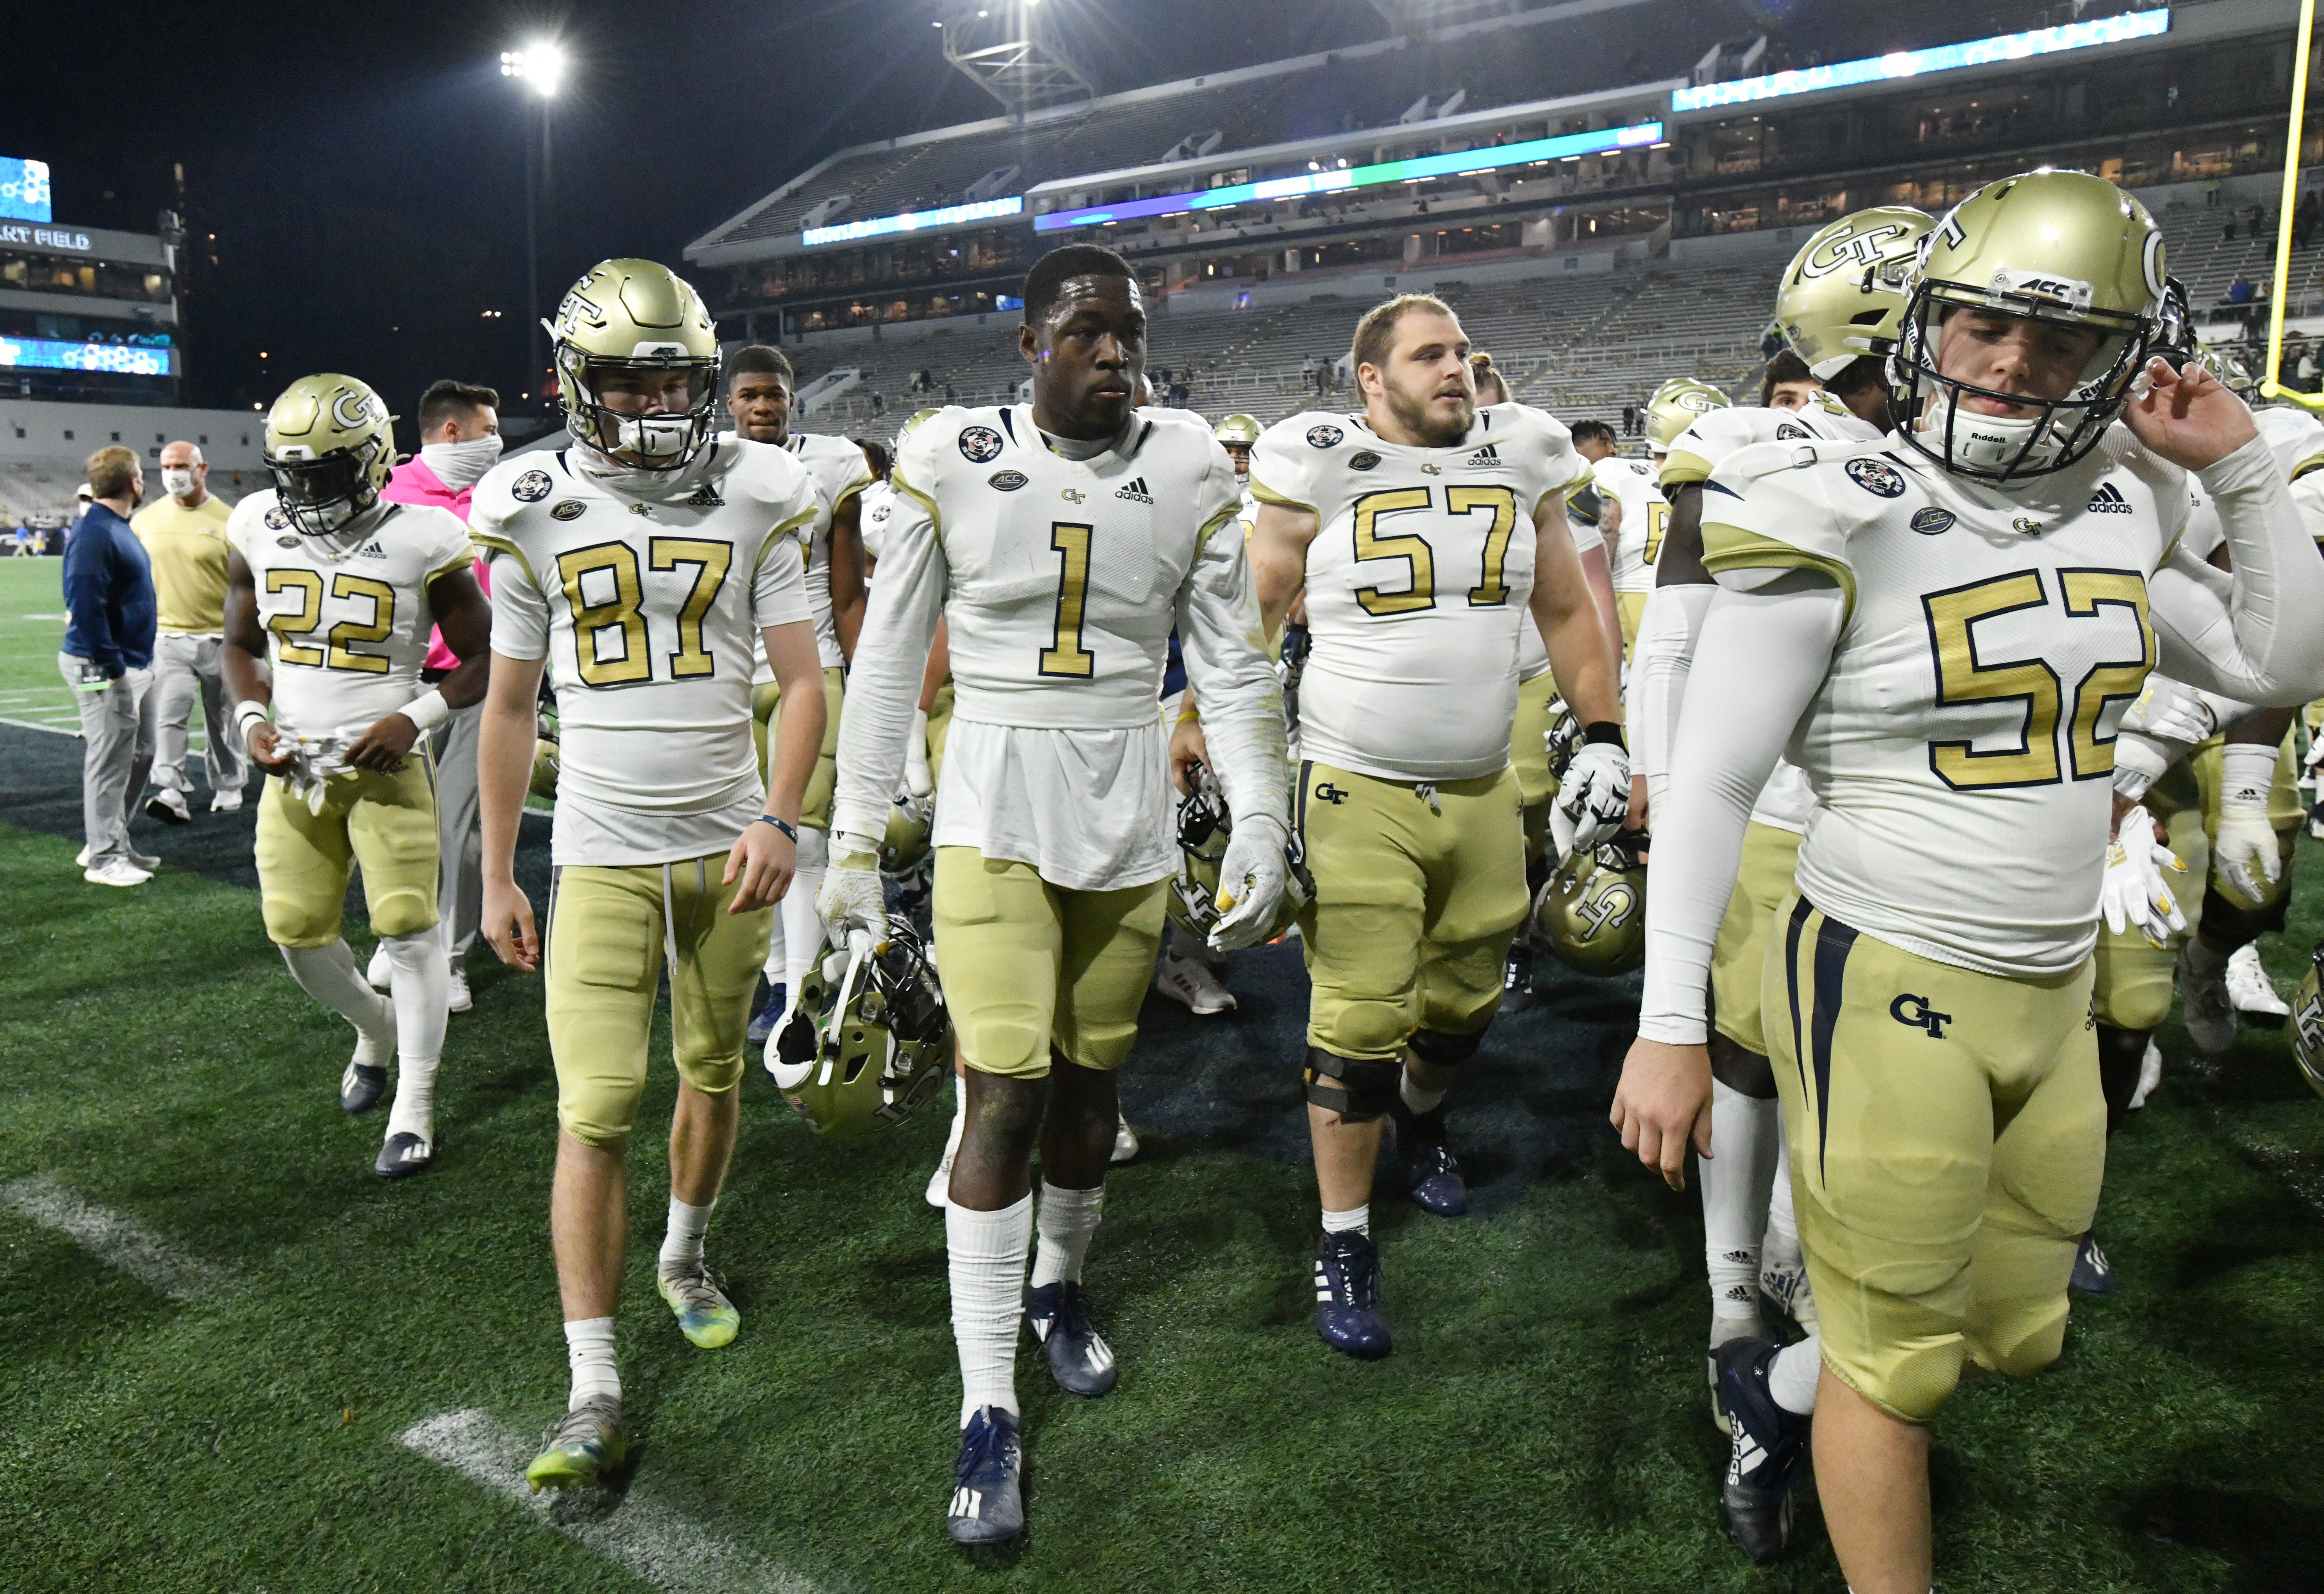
x: 1915, y: 1011
x: 1329, y: 793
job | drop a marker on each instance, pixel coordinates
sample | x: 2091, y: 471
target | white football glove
x: 1250, y: 882
x: 1595, y: 792
x: 2136, y: 894
x: 851, y: 899
x: 2244, y: 850
x: 2169, y: 712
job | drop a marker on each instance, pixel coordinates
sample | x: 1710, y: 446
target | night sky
x: 361, y: 168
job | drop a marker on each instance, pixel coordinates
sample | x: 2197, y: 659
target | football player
x: 759, y: 394
x: 643, y: 567
x: 331, y: 593
x: 1839, y: 307
x: 1423, y: 530
x: 1061, y: 539
x: 1787, y: 383
x: 1944, y: 626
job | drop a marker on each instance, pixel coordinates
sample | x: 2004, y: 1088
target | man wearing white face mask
x: 184, y: 536
x: 460, y: 441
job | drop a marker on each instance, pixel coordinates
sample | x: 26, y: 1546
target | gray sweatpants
x: 460, y: 841
x: 116, y: 728
x: 183, y: 668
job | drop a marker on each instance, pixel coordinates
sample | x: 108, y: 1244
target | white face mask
x: 177, y: 482
x: 460, y: 465
x: 1991, y: 442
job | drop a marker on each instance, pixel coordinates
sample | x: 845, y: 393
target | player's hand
x: 2246, y: 855
x: 763, y: 859
x: 1252, y: 877
x: 851, y: 898
x: 2168, y: 712
x: 1663, y: 1102
x: 2135, y: 893
x: 383, y: 747
x: 264, y: 742
x: 508, y: 925
x: 2188, y: 417
x: 1595, y: 793
x: 1188, y: 747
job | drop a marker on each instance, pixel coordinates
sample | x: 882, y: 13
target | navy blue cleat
x: 2093, y: 1274
x: 361, y: 1087
x: 1768, y: 1445
x: 1060, y: 1316
x: 1431, y: 1174
x: 766, y: 1015
x: 1516, y: 977
x: 1348, y: 1295
x: 988, y: 1503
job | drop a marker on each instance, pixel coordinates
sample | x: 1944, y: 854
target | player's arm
x: 465, y: 615
x: 505, y: 734
x: 1278, y: 558
x: 1667, y: 628
x: 242, y: 662
x: 1583, y: 654
x: 1598, y: 574
x: 848, y: 593
x: 764, y: 857
x: 939, y: 669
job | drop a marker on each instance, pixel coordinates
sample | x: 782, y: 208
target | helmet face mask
x: 2042, y: 434
x: 865, y: 1046
x: 330, y: 445
x: 637, y: 366
x: 2308, y: 1024
x: 1204, y: 827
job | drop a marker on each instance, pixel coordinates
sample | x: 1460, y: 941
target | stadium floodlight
x: 541, y: 66
x: 1335, y: 180
x: 1916, y: 63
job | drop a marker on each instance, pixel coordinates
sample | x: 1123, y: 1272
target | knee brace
x: 1439, y: 1050
x: 1357, y: 1089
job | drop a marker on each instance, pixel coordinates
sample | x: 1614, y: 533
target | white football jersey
x: 1417, y: 583
x: 347, y: 616
x: 1634, y: 546
x: 646, y: 592
x: 1962, y: 742
x: 837, y: 468
x: 879, y: 504
x: 1786, y: 802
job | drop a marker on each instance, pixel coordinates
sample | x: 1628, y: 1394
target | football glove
x: 851, y: 899
x: 1250, y: 882
x: 1595, y: 795
x: 2169, y: 712
x: 2136, y: 894
x: 2244, y: 851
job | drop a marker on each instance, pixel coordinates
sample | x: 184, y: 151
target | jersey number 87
x: 621, y: 618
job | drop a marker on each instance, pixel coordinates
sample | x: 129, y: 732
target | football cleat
x: 1766, y: 1447
x: 2093, y: 1274
x: 1125, y: 1141
x: 1189, y: 981
x: 988, y: 1499
x: 1431, y: 1174
x: 169, y: 806
x: 578, y: 1449
x: 1516, y: 978
x: 116, y: 872
x: 2251, y: 993
x: 457, y: 997
x: 380, y: 970
x: 1785, y: 1293
x: 1348, y: 1311
x: 2204, y: 1007
x: 1079, y: 1359
x: 225, y: 802
x: 404, y: 1155
x: 144, y: 860
x: 697, y: 1293
x: 361, y: 1087
x: 772, y: 1001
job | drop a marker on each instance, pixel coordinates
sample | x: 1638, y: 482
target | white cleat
x: 225, y: 802
x: 1125, y: 1141
x: 1190, y: 981
x: 2251, y: 992
x: 380, y: 972
x: 118, y: 871
x: 2204, y: 1007
x: 457, y: 990
x: 2149, y: 1074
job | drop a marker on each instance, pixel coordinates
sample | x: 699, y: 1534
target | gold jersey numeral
x: 285, y: 627
x: 374, y: 630
x: 1657, y: 522
x: 2114, y: 680
x: 1064, y: 656
x: 1491, y: 590
x: 710, y: 561
x: 592, y: 621
x: 1420, y: 592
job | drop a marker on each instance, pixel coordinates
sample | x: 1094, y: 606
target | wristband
x: 788, y: 829
x: 247, y: 710
x: 1188, y: 715
x: 428, y: 710
x: 1604, y: 731
x: 2247, y: 772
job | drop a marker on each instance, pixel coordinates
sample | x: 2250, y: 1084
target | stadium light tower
x: 540, y: 67
x: 1012, y: 51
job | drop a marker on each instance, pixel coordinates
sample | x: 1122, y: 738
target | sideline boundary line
x: 113, y: 1239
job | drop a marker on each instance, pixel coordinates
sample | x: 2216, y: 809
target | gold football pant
x: 1028, y: 966
x: 1418, y: 890
x: 610, y: 932
x: 384, y: 822
x: 1738, y: 958
x: 766, y: 699
x: 940, y: 728
x: 1530, y: 758
x: 1947, y: 1136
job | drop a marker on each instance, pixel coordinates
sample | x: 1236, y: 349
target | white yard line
x: 660, y: 1545
x: 73, y: 729
x: 113, y: 1239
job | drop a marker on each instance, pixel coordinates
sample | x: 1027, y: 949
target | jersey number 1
x: 1065, y: 655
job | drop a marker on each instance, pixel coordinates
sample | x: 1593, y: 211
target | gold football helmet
x: 1677, y: 405
x: 330, y: 444
x: 1237, y: 431
x: 2060, y: 247
x: 638, y: 328
x: 1842, y: 297
x: 1592, y: 910
x: 2308, y: 1024
x: 868, y: 1039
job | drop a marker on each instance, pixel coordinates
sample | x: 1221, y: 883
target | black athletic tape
x: 1604, y: 731
x: 1357, y: 1090
x: 1440, y: 1050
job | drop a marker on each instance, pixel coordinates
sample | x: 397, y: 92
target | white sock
x: 1421, y: 1102
x: 682, y: 1241
x: 329, y: 975
x: 1781, y: 1249
x: 802, y: 926
x: 589, y: 1351
x: 1791, y: 1380
x: 1745, y: 1137
x: 1358, y: 1219
x: 778, y: 960
x: 422, y: 997
x: 1066, y: 1222
x: 985, y: 1255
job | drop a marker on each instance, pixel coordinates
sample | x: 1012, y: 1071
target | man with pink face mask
x: 460, y: 441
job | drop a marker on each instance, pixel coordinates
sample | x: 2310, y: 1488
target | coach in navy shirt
x: 108, y: 662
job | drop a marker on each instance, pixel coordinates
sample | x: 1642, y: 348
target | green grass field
x: 32, y: 627
x: 232, y: 1360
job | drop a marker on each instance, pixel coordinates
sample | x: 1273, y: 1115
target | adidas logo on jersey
x: 2108, y: 501
x: 1135, y: 492
x: 371, y: 550
x: 705, y: 497
x: 1488, y: 458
